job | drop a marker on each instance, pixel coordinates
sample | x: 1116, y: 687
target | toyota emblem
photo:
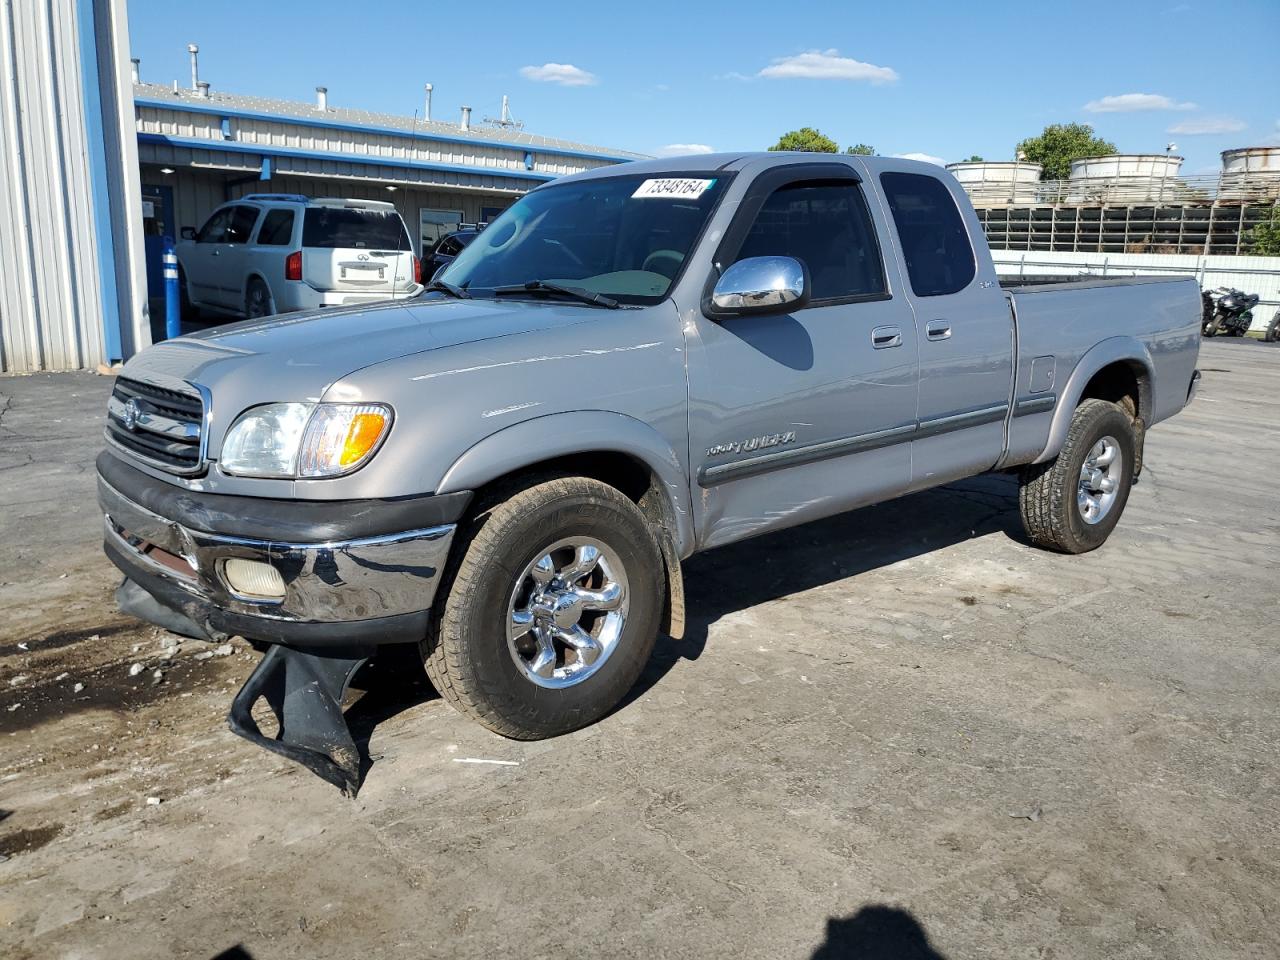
x: 129, y: 419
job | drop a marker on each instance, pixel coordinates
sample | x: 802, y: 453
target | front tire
x: 1072, y: 503
x: 551, y: 612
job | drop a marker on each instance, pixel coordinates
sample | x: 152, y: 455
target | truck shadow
x: 733, y: 578
x: 737, y: 577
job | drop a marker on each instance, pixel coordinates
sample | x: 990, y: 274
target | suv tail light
x: 293, y: 266
x: 417, y: 270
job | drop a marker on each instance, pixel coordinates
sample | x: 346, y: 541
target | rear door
x: 356, y: 250
x: 800, y: 415
x: 965, y: 328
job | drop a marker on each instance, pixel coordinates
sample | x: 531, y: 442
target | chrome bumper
x: 329, y: 583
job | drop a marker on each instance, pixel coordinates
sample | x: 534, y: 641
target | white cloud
x: 924, y: 157
x: 681, y: 149
x: 1133, y: 102
x: 1208, y: 125
x: 565, y: 74
x: 826, y: 65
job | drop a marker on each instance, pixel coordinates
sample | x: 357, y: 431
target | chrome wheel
x: 567, y: 611
x: 1100, y: 478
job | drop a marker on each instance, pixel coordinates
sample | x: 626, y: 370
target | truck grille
x: 158, y: 425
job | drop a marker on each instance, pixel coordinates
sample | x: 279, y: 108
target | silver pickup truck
x: 627, y: 367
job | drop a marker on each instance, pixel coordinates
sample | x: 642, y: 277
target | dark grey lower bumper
x: 365, y: 591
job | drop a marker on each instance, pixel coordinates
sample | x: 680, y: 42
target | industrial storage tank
x: 995, y: 183
x: 1250, y: 173
x: 1125, y: 178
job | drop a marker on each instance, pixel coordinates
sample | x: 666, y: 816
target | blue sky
x: 942, y: 79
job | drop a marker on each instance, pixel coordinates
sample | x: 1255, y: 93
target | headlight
x: 304, y: 439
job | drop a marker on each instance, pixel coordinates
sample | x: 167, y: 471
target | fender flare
x: 1103, y: 354
x: 583, y: 431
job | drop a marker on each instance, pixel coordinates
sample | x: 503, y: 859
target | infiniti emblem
x: 362, y: 256
x: 129, y: 419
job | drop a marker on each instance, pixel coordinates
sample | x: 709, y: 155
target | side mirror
x: 760, y: 285
x: 188, y: 233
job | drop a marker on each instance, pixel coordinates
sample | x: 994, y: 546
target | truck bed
x: 1036, y: 282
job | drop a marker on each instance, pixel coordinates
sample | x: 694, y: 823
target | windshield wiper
x: 444, y: 286
x: 547, y: 286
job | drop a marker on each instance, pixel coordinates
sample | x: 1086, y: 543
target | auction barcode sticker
x: 681, y: 187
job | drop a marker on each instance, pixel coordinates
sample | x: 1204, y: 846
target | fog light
x: 252, y: 578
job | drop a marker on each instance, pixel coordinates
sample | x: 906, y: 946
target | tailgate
x: 352, y: 247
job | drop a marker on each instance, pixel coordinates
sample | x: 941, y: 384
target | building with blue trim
x: 98, y: 167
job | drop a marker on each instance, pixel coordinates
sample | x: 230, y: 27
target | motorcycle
x: 1273, y: 329
x: 1226, y: 310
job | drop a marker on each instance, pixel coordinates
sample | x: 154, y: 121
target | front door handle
x: 882, y: 337
x: 938, y: 330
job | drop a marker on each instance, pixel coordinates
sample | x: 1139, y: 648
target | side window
x: 241, y: 225
x: 276, y: 229
x: 449, y: 247
x: 215, y: 228
x: 825, y: 225
x: 934, y: 241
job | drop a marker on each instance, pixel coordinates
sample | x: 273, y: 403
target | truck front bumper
x: 356, y: 590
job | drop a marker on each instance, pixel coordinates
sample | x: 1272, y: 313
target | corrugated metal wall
x: 58, y: 295
x: 196, y: 194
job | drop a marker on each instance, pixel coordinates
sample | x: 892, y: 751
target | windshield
x: 336, y: 227
x: 625, y: 237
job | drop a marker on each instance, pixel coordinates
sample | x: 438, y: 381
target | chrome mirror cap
x: 761, y: 285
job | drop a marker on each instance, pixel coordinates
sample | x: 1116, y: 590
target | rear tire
x: 257, y: 300
x: 1055, y: 498
x: 491, y: 672
x: 1273, y: 329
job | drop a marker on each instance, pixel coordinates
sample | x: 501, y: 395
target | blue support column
x: 172, y: 294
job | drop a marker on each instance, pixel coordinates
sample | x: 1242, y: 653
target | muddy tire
x: 550, y: 610
x: 1072, y: 503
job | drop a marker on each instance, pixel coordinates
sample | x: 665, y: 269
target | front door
x: 800, y: 415
x: 966, y: 333
x: 202, y: 258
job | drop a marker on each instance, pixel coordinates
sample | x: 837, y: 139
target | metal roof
x: 156, y: 94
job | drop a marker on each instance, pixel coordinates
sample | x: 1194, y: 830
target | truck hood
x: 298, y: 356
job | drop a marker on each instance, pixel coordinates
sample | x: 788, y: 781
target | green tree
x: 1264, y: 239
x: 975, y: 159
x: 807, y: 140
x: 861, y: 150
x: 1059, y: 144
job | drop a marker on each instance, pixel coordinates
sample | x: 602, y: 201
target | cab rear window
x: 332, y: 227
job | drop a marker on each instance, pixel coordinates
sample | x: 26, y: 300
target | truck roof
x: 667, y: 166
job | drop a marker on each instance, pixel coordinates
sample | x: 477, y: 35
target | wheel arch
x: 611, y: 447
x: 1115, y: 369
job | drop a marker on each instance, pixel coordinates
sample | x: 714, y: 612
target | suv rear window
x: 332, y: 227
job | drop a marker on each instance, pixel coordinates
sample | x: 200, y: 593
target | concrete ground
x: 897, y: 734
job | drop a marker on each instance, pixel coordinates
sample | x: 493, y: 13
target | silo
x: 1250, y: 173
x: 998, y: 184
x: 1125, y: 178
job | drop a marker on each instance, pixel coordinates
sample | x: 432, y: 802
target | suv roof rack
x: 292, y: 197
x: 352, y: 204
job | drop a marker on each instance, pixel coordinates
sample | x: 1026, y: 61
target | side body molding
x: 582, y: 431
x: 1109, y: 351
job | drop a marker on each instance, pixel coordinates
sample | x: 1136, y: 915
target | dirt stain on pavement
x: 24, y: 841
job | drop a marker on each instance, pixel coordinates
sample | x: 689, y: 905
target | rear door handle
x: 882, y: 337
x: 938, y: 330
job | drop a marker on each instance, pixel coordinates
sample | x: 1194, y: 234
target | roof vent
x: 195, y: 66
x: 322, y: 98
x: 137, y: 69
x: 202, y: 89
x: 426, y: 105
x: 466, y: 118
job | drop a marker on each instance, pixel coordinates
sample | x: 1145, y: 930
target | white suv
x: 271, y: 253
